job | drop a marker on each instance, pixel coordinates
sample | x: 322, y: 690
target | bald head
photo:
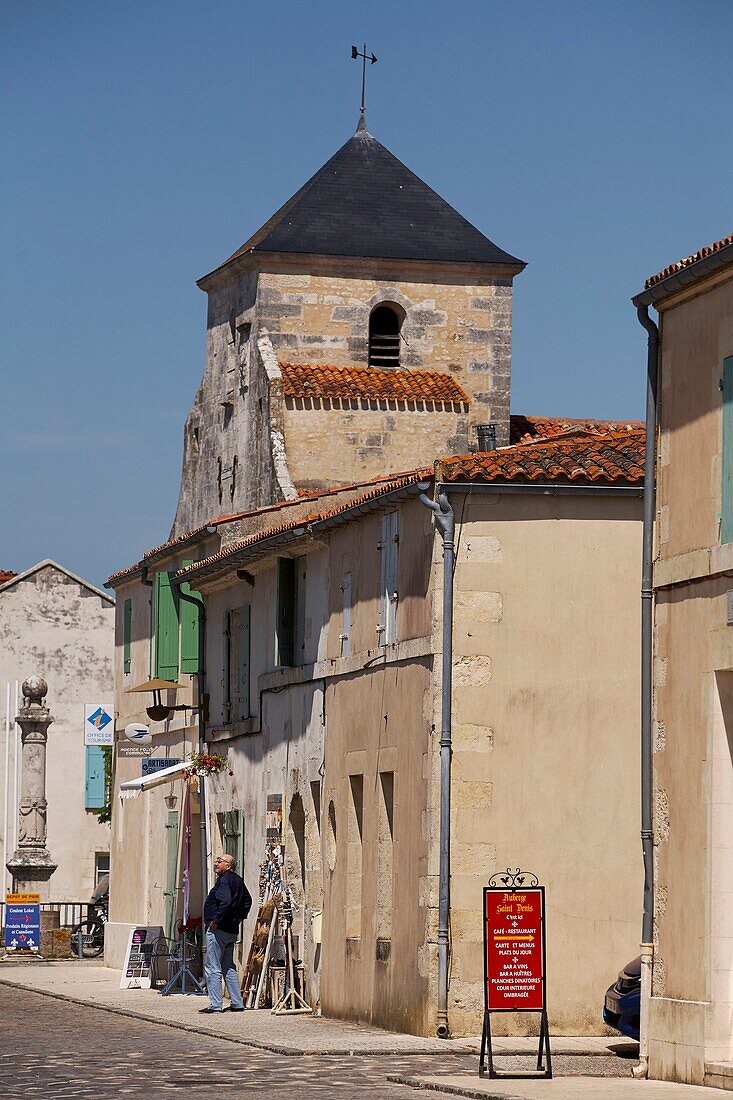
x: 224, y: 863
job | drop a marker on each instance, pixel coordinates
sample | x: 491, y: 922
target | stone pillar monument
x: 31, y: 865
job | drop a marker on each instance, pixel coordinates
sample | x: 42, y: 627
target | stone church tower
x: 363, y: 330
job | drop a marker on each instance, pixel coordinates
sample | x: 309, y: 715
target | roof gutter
x: 687, y: 276
x: 551, y: 490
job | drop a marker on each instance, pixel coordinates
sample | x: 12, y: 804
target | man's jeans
x: 219, y: 964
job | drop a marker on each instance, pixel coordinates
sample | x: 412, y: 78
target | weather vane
x: 365, y: 57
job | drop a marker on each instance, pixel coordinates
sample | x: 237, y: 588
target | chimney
x: 486, y: 437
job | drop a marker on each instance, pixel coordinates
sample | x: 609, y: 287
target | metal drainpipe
x: 203, y: 706
x: 445, y: 522
x: 647, y: 629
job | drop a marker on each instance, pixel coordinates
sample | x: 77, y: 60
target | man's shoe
x: 233, y: 1009
x: 208, y: 1011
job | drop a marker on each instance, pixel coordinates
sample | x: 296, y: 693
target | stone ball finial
x: 34, y: 689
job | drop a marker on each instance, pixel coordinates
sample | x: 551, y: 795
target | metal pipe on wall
x: 445, y: 522
x: 647, y: 637
x: 202, y: 701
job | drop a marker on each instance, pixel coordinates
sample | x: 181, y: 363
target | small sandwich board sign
x: 139, y: 958
x: 514, y: 959
x: 22, y: 922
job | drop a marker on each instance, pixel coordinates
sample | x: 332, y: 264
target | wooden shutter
x: 300, y: 579
x: 166, y: 628
x: 346, y: 616
x: 189, y: 615
x: 94, y: 778
x: 126, y: 635
x: 242, y: 650
x: 171, y: 873
x: 726, y: 511
x: 226, y: 647
x: 388, y: 596
x: 285, y: 627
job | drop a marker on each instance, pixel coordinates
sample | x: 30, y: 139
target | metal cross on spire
x: 365, y: 57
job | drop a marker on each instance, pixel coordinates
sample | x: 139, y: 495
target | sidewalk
x: 98, y: 986
x: 560, y: 1088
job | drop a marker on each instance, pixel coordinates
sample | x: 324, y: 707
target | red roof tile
x: 398, y: 481
x: 701, y: 254
x: 616, y: 458
x: 6, y: 575
x: 304, y: 380
x: 524, y: 429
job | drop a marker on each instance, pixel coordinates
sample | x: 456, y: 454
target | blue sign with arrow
x: 22, y: 927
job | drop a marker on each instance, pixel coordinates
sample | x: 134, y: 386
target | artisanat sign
x: 158, y: 764
x: 515, y: 957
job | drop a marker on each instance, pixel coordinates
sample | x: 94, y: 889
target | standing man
x: 226, y: 907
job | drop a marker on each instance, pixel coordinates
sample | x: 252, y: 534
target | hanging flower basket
x: 206, y: 763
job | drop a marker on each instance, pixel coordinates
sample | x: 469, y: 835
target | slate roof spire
x: 364, y: 202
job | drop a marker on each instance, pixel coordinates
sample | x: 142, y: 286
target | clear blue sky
x: 143, y: 142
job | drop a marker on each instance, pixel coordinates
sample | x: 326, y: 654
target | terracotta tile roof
x: 6, y: 575
x: 304, y: 380
x: 524, y: 429
x: 303, y: 497
x: 701, y: 254
x: 398, y: 481
x: 616, y: 458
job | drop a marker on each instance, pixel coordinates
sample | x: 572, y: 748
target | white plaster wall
x: 52, y: 626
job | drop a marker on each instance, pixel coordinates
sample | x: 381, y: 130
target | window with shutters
x: 726, y: 510
x: 166, y: 628
x: 290, y: 620
x: 236, y: 651
x: 94, y: 778
x: 126, y: 636
x: 231, y: 836
x: 388, y: 547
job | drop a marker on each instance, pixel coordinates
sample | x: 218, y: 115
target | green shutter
x: 166, y: 628
x: 189, y: 629
x: 726, y: 511
x: 285, y: 628
x: 300, y: 579
x: 171, y: 873
x: 127, y: 635
x: 94, y: 777
x: 242, y: 690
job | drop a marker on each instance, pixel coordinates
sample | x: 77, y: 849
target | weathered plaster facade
x: 690, y: 1026
x: 55, y: 625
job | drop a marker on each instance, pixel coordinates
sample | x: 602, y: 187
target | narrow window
x: 296, y: 820
x: 389, y: 545
x: 230, y: 833
x: 726, y: 511
x: 126, y: 636
x: 385, y: 323
x: 166, y: 628
x: 101, y: 866
x: 354, y: 848
x: 385, y: 864
x: 290, y: 627
x: 345, y: 636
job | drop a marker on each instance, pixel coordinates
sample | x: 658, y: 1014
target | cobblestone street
x: 51, y: 1049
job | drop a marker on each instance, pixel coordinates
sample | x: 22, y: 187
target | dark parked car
x: 623, y: 1000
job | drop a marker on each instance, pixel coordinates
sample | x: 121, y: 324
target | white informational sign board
x: 139, y: 957
x: 99, y: 724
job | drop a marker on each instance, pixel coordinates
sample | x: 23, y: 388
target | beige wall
x: 546, y: 738
x: 55, y: 627
x: 691, y: 1012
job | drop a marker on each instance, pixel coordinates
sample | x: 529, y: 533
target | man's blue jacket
x: 228, y: 902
